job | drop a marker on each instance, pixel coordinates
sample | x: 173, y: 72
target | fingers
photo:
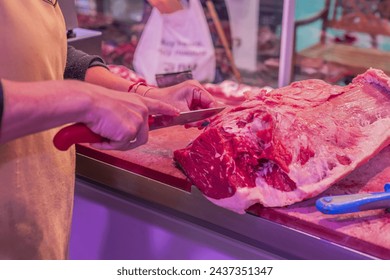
x: 122, y: 121
x: 200, y: 98
x: 131, y: 133
x: 188, y: 95
x: 127, y: 127
x: 132, y: 127
x: 158, y: 107
x: 140, y: 139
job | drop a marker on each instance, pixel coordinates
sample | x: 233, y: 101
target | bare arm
x: 185, y: 96
x: 92, y: 69
x: 103, y: 77
x: 30, y: 107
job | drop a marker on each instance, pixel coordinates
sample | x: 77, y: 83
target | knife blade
x: 80, y: 133
x: 161, y: 121
x: 341, y: 204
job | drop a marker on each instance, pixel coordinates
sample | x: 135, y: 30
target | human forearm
x: 33, y: 107
x: 78, y: 62
x: 103, y: 77
x: 92, y: 69
x: 120, y: 118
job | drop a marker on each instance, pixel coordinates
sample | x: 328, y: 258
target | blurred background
x: 253, y: 31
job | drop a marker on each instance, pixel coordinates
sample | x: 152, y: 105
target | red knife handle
x: 73, y: 134
x: 79, y: 133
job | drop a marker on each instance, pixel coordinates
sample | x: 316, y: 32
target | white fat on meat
x: 313, y: 132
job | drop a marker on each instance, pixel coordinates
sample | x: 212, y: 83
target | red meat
x: 289, y: 144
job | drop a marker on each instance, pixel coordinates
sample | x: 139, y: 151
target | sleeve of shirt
x: 78, y: 62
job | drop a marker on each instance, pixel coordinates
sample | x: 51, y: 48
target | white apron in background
x: 176, y: 42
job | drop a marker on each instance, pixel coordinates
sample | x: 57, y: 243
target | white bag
x: 244, y: 24
x: 176, y: 42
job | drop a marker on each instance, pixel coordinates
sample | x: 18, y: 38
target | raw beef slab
x: 290, y: 144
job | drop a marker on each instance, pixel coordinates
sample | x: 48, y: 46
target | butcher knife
x: 80, y: 133
x: 340, y: 204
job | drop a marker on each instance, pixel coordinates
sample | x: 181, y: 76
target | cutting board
x: 367, y: 232
x: 153, y: 160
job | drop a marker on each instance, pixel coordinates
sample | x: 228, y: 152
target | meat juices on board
x: 289, y: 144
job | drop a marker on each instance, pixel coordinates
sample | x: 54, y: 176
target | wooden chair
x: 371, y: 17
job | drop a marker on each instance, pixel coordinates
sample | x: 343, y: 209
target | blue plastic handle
x: 340, y: 204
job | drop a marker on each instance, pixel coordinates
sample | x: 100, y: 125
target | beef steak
x: 290, y: 144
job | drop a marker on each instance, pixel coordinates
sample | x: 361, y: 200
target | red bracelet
x: 135, y: 85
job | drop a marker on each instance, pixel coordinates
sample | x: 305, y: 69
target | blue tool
x: 340, y: 204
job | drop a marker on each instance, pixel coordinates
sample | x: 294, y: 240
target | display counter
x: 148, y: 175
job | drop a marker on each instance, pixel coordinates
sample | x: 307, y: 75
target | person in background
x: 37, y: 180
x: 223, y: 69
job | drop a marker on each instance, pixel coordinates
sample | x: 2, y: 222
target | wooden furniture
x: 370, y: 17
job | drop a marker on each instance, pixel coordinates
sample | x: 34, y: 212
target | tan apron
x: 36, y: 180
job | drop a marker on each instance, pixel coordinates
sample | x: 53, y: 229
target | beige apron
x: 36, y: 180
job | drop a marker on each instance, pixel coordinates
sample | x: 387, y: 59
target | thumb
x: 159, y: 107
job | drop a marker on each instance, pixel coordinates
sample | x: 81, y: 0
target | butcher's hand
x: 186, y: 96
x: 123, y: 119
